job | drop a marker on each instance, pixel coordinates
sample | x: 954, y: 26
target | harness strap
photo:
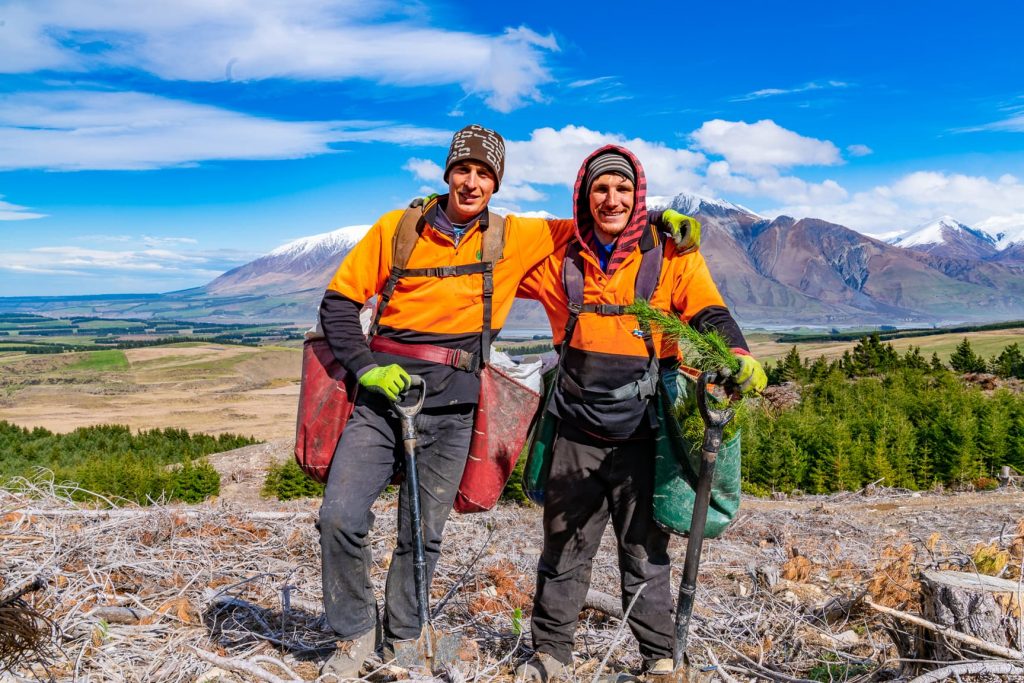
x: 573, y: 281
x: 409, y: 229
x: 442, y: 271
x: 643, y: 388
x: 491, y: 252
x: 456, y: 358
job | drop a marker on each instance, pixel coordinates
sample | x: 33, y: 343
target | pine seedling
x: 703, y: 351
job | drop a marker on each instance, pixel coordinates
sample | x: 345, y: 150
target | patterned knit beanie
x: 479, y: 144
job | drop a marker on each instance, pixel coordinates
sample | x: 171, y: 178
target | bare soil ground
x: 209, y: 388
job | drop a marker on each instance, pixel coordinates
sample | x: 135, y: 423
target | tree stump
x: 985, y: 607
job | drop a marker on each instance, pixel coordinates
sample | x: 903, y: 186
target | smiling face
x: 611, y: 204
x: 470, y: 186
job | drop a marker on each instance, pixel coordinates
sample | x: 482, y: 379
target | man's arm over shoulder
x: 698, y: 301
x: 537, y: 238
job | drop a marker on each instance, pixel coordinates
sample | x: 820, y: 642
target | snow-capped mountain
x: 1008, y: 231
x: 690, y: 204
x: 305, y: 263
x: 316, y: 245
x: 948, y: 238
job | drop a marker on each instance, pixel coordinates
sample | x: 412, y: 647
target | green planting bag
x: 677, y: 465
x: 539, y: 445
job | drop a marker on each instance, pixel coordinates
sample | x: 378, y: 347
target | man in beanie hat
x: 609, y: 372
x: 424, y: 313
x: 438, y: 313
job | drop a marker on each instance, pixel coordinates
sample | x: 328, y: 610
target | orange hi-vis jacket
x: 606, y: 352
x: 443, y: 311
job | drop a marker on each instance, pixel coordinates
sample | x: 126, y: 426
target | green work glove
x: 750, y: 379
x: 422, y: 201
x: 685, y: 230
x: 389, y: 380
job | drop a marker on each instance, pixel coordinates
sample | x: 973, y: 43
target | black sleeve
x: 719, y: 318
x: 339, y: 318
x: 654, y: 218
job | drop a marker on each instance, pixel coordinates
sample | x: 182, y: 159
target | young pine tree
x: 964, y: 359
x: 1009, y: 363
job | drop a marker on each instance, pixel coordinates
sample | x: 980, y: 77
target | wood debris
x: 791, y: 592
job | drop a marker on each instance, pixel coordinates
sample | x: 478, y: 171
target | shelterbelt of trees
x: 875, y: 414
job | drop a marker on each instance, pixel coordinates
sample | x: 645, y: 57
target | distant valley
x: 778, y: 271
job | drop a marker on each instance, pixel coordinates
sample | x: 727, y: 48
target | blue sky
x: 150, y: 146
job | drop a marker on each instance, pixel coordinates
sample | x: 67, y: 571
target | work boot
x: 663, y: 671
x: 350, y: 655
x: 540, y: 668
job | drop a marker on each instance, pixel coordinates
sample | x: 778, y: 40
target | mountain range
x: 780, y: 271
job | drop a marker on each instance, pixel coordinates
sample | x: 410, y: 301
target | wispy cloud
x: 859, y: 150
x: 195, y: 40
x: 1011, y: 124
x: 13, y: 212
x: 101, y: 130
x: 590, y: 81
x: 775, y: 92
x: 161, y: 262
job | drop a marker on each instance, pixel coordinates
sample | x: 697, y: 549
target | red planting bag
x: 325, y: 403
x: 504, y: 416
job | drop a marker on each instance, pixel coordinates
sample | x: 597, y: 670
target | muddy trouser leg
x: 364, y: 462
x: 643, y: 550
x: 575, y: 515
x: 442, y: 448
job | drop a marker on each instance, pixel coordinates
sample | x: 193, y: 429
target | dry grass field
x: 200, y: 387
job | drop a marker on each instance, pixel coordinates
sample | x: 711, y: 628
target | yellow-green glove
x: 389, y: 380
x: 684, y: 229
x: 750, y: 379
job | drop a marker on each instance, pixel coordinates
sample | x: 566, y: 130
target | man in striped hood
x: 602, y: 463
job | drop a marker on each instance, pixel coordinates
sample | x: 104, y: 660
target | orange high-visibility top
x: 452, y: 305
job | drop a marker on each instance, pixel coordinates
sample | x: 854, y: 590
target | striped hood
x: 629, y: 238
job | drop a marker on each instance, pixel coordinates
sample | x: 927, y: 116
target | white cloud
x: 773, y: 92
x: 771, y: 184
x: 198, y: 40
x: 13, y: 212
x: 755, y: 147
x: 553, y: 157
x: 920, y: 197
x: 425, y: 169
x: 85, y: 129
x: 859, y: 150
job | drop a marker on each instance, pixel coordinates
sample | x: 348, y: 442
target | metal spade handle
x: 715, y: 420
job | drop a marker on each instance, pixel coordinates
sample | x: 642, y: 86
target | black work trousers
x: 592, y: 480
x: 368, y: 454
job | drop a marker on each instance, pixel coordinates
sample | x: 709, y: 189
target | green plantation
x: 114, y: 462
x: 875, y: 415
